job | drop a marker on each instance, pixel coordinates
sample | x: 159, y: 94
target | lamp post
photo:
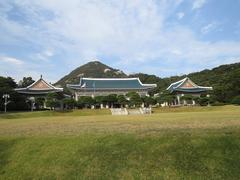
x: 208, y: 96
x: 180, y: 98
x: 6, y: 97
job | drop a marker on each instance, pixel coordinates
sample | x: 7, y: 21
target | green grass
x: 194, y: 109
x: 83, y: 112
x: 199, y: 144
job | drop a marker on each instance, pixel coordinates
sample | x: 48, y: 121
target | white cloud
x: 197, y: 4
x: 131, y: 32
x: 180, y: 15
x: 44, y: 55
x: 209, y: 27
x: 11, y: 60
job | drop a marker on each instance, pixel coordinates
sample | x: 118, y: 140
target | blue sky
x: 162, y: 37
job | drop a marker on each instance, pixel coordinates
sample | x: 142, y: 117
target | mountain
x: 94, y: 69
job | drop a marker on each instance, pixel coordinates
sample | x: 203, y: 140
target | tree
x: 25, y: 82
x: 17, y: 101
x: 111, y: 99
x: 196, y: 99
x: 85, y: 101
x: 39, y: 102
x: 69, y: 103
x: 188, y: 98
x: 121, y: 99
x: 51, y: 101
x: 55, y: 100
x: 99, y: 100
x: 204, y: 101
x: 148, y: 101
x: 134, y: 99
x: 165, y: 97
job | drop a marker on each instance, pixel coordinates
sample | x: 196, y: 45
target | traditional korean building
x: 186, y: 87
x: 105, y: 86
x: 39, y: 88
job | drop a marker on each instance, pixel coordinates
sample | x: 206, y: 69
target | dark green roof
x: 110, y: 83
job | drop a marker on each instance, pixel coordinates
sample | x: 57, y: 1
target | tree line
x: 224, y: 79
x: 225, y: 93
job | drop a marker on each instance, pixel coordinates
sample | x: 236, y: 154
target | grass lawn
x: 179, y: 143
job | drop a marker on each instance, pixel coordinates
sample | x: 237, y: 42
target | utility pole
x: 6, y: 97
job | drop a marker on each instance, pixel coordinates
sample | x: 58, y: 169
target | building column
x: 76, y: 96
x: 44, y: 103
x: 175, y: 101
x: 184, y: 102
x: 178, y: 99
x: 193, y: 102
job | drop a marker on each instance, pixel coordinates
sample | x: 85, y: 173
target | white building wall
x: 105, y: 93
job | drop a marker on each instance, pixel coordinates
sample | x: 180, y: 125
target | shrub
x: 85, y: 101
x: 204, y: 101
x: 122, y: 100
x: 69, y: 103
x: 218, y: 104
x: 149, y: 101
x: 236, y: 100
x: 135, y: 99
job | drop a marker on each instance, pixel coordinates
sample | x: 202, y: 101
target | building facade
x: 39, y: 88
x: 105, y: 86
x: 186, y: 87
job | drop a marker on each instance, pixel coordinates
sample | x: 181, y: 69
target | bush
x: 122, y: 100
x: 85, y: 102
x: 236, y: 100
x: 204, y: 101
x: 69, y: 103
x: 148, y: 101
x: 135, y: 99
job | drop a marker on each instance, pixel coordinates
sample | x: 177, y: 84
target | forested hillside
x: 224, y: 79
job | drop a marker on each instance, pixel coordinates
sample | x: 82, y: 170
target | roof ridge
x: 109, y: 78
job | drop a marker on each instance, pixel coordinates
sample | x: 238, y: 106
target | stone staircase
x: 119, y: 111
x: 124, y: 111
x: 134, y: 111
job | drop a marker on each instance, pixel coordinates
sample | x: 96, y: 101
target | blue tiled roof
x: 111, y: 83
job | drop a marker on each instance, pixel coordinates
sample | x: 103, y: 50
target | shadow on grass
x: 182, y: 157
x: 211, y: 157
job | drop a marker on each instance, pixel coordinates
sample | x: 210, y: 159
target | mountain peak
x: 94, y: 69
x: 95, y: 61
